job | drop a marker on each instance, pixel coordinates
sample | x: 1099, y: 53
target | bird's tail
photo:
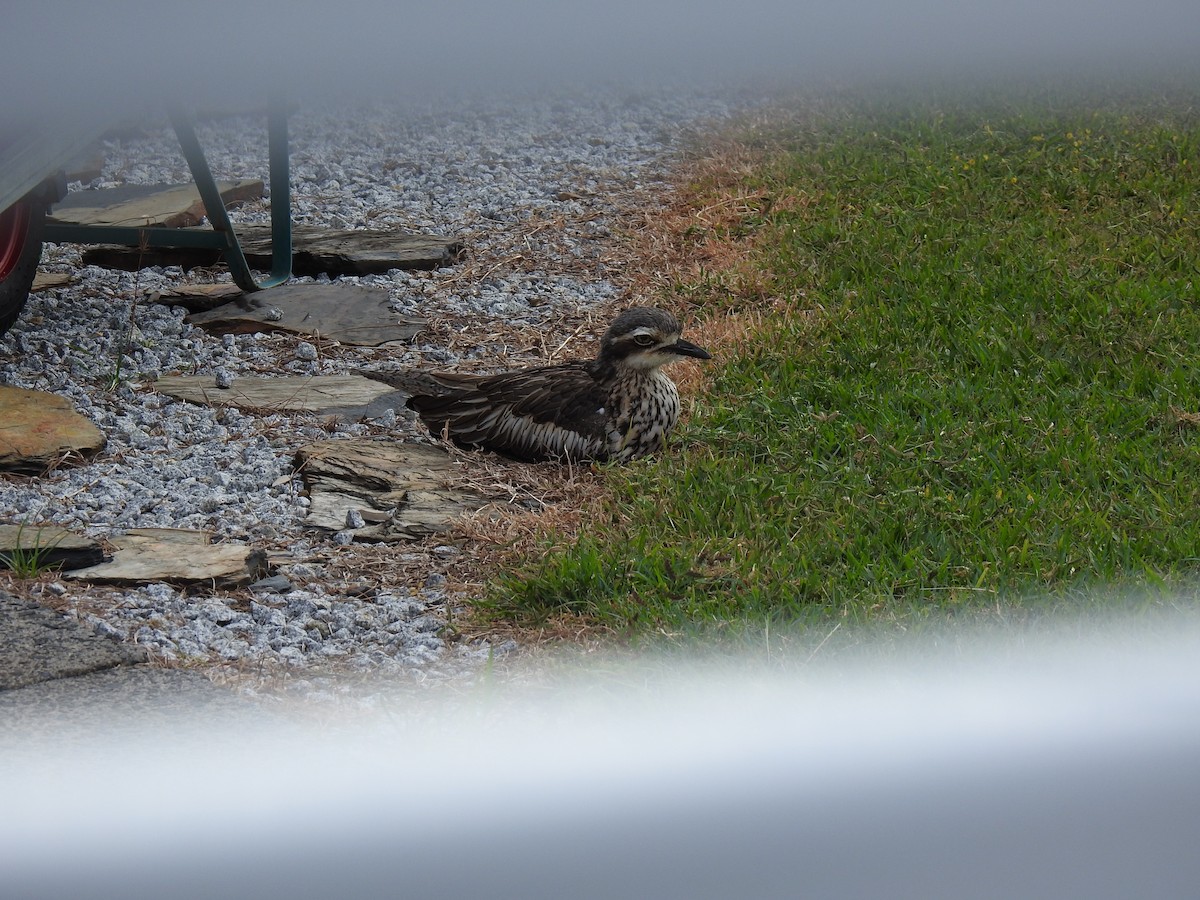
x: 413, y: 382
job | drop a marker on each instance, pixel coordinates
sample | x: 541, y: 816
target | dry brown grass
x: 696, y: 229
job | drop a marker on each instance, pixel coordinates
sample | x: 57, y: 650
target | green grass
x: 986, y: 395
x: 30, y: 558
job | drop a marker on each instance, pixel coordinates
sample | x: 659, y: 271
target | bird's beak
x: 687, y: 348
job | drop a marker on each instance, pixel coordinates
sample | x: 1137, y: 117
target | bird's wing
x: 564, y: 393
x: 539, y: 413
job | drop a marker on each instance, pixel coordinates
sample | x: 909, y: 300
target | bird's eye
x: 644, y: 340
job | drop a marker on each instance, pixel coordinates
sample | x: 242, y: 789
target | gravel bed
x: 530, y: 186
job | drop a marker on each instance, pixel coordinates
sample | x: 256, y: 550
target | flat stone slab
x: 315, y: 250
x: 47, y: 281
x: 173, y: 556
x: 146, y: 206
x: 401, y: 491
x: 355, y: 251
x: 38, y: 644
x: 322, y: 394
x: 199, y: 297
x: 349, y: 313
x: 38, y: 430
x: 54, y: 546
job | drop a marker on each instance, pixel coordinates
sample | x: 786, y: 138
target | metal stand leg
x: 214, y: 206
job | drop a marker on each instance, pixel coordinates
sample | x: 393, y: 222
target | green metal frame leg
x: 281, y: 192
x: 222, y: 236
x: 214, y: 206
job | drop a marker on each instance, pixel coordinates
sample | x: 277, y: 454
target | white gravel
x: 480, y: 170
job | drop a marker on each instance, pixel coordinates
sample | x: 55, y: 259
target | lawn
x: 970, y: 383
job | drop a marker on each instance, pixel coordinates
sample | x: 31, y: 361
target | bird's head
x: 646, y: 338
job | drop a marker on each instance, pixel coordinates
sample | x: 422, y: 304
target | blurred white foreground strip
x: 1066, y: 769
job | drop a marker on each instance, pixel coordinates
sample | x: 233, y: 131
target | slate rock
x: 38, y: 430
x: 399, y: 491
x: 168, y: 555
x: 347, y: 313
x: 350, y: 395
x: 315, y: 250
x: 145, y: 206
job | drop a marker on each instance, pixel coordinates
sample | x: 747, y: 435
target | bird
x: 616, y: 407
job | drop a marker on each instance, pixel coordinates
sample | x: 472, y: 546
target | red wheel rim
x: 14, y: 228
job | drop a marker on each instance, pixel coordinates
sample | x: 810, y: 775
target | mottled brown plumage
x: 617, y: 406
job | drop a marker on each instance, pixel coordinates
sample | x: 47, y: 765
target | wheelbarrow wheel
x: 20, y: 249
